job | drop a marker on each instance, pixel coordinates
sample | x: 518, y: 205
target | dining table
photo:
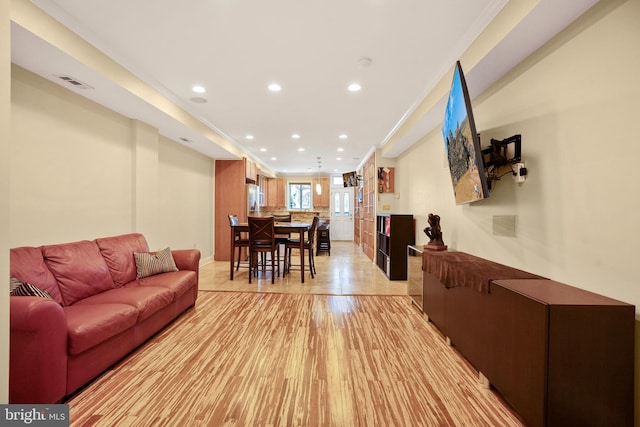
x: 280, y: 228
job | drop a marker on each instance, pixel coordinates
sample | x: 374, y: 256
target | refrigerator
x: 253, y: 200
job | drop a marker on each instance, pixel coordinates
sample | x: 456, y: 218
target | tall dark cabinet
x: 394, y: 233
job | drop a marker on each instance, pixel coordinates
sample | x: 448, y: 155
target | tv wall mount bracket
x: 495, y: 156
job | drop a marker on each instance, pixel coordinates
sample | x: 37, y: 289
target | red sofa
x: 98, y: 311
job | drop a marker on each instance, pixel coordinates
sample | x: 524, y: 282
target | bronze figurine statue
x: 434, y: 233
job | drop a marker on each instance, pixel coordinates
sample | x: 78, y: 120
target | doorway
x: 342, y: 205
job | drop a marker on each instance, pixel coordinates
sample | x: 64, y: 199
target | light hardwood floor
x: 344, y: 349
x: 346, y: 272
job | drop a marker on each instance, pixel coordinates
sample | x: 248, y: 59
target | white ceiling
x: 235, y: 48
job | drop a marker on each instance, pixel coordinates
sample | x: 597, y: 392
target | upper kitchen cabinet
x: 250, y: 170
x: 263, y: 189
x: 322, y: 199
x: 275, y: 192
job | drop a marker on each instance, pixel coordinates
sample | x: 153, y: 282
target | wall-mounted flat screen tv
x: 462, y: 144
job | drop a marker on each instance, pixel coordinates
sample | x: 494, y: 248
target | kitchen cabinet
x: 250, y: 170
x: 276, y: 188
x: 263, y: 190
x: 322, y: 199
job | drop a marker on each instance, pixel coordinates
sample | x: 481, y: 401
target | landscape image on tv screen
x: 462, y: 144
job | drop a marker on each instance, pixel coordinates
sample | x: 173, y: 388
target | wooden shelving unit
x: 393, y: 234
x: 357, y: 216
x: 368, y: 211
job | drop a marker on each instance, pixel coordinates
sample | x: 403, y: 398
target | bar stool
x: 308, y: 245
x: 323, y: 243
x: 239, y: 241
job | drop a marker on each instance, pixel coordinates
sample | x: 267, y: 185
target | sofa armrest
x: 37, y: 350
x: 187, y: 259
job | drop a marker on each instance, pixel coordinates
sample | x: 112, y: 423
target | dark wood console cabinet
x: 414, y: 275
x: 433, y: 300
x: 560, y: 355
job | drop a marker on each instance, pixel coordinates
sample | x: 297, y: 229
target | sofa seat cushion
x: 78, y: 268
x: 118, y: 252
x: 179, y: 282
x: 147, y: 300
x: 89, y: 325
x: 27, y: 265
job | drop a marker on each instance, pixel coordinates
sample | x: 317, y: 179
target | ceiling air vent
x: 75, y: 82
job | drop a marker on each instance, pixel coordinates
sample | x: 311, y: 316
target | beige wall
x: 5, y: 106
x: 388, y: 202
x: 186, y: 198
x: 71, y: 165
x: 81, y: 171
x: 576, y: 104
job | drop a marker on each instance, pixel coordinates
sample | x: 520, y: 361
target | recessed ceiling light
x: 263, y: 149
x: 198, y: 89
x: 300, y: 149
x: 249, y: 136
x: 354, y: 87
x: 274, y: 158
x: 295, y: 136
x: 275, y: 87
x: 338, y: 158
x: 364, y: 62
x: 341, y: 149
x: 343, y: 136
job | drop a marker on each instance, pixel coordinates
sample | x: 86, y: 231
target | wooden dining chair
x: 282, y: 218
x: 240, y: 240
x: 262, y: 240
x: 282, y: 239
x: 308, y: 247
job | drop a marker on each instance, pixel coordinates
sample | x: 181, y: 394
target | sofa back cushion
x: 118, y: 253
x: 79, y: 269
x: 27, y: 265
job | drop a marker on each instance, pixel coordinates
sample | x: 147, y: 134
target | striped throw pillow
x: 29, y: 290
x: 150, y: 264
x: 13, y: 284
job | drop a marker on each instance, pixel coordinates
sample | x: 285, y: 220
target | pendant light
x: 318, y: 186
